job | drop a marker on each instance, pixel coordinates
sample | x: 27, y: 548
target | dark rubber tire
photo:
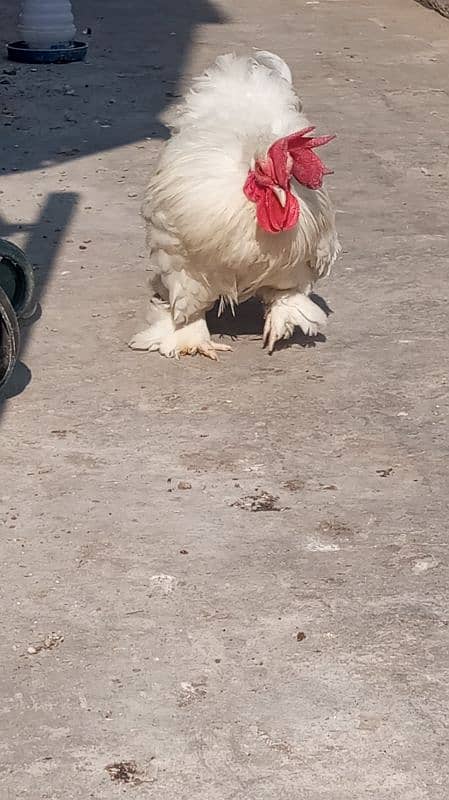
x: 17, y: 278
x: 9, y: 338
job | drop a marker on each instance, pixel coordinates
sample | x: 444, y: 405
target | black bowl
x: 20, y: 51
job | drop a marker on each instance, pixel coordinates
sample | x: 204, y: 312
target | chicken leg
x: 174, y: 341
x: 286, y: 310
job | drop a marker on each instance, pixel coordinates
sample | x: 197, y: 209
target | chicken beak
x: 281, y: 195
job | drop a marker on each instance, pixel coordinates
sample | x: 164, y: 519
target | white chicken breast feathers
x: 205, y: 237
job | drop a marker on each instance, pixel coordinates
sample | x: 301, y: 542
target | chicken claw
x: 187, y: 340
x: 288, y: 311
x: 208, y: 349
x: 273, y: 332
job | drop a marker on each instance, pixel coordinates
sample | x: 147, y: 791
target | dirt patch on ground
x: 260, y: 501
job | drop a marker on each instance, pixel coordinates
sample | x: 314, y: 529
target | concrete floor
x: 233, y: 654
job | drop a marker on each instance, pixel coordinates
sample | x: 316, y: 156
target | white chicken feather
x: 204, y: 240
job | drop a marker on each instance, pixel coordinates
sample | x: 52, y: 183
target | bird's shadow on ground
x: 248, y: 320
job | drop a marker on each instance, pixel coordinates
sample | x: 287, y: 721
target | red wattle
x: 271, y: 215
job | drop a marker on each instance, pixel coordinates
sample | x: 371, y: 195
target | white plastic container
x: 46, y: 23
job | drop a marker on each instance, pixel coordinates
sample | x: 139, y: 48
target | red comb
x: 291, y: 155
x: 307, y: 167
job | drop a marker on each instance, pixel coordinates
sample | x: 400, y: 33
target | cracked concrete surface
x: 206, y: 648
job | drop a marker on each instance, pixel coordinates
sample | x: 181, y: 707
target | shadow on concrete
x: 137, y: 55
x: 17, y: 383
x: 248, y: 320
x: 44, y: 239
x: 442, y: 6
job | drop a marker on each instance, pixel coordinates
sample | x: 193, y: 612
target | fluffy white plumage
x: 203, y: 238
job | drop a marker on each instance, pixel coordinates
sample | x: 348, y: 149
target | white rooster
x: 236, y: 209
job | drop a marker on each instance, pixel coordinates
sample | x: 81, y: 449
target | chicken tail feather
x: 275, y: 63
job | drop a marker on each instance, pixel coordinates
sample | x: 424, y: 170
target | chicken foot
x: 286, y: 310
